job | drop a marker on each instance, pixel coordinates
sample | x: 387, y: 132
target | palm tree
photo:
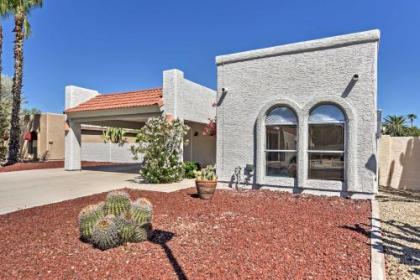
x: 411, y: 117
x: 20, y: 9
x: 395, y: 125
x: 4, y: 12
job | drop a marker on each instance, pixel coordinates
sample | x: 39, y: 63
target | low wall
x: 399, y: 162
x: 108, y: 152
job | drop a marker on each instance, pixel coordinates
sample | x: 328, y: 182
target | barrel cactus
x: 141, y: 211
x: 126, y: 227
x: 142, y: 232
x: 116, y: 221
x: 88, y: 217
x: 105, y: 233
x: 117, y: 202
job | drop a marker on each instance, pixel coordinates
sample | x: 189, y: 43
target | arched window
x: 281, y: 137
x: 327, y: 125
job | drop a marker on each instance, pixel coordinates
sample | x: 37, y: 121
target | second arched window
x: 281, y: 142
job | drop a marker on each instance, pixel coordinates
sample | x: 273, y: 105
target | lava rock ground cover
x: 236, y: 235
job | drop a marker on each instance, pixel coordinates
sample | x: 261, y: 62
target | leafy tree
x: 20, y: 9
x: 411, y: 117
x: 395, y: 125
x: 161, y: 143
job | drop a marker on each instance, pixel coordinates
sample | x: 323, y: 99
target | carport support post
x: 73, y: 146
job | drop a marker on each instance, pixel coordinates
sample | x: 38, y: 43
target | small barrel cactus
x: 105, y: 233
x: 141, y: 211
x: 206, y: 174
x: 142, y: 232
x: 126, y: 227
x: 117, y: 202
x: 88, y: 217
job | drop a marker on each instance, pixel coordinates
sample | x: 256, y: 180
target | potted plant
x: 206, y: 182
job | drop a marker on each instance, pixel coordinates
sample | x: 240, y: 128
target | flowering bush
x: 210, y: 128
x: 161, y: 142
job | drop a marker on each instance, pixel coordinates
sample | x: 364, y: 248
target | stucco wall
x: 301, y: 76
x: 187, y: 100
x: 107, y: 152
x: 399, y: 162
x: 50, y: 130
x: 201, y: 148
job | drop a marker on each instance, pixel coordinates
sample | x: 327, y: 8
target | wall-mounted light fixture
x: 355, y: 77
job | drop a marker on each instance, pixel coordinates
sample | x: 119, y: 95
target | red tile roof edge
x: 150, y: 101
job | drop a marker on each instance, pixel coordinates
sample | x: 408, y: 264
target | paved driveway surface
x: 25, y: 189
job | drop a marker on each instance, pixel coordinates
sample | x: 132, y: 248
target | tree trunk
x: 14, y: 142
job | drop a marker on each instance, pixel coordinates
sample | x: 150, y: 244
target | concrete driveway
x: 25, y: 189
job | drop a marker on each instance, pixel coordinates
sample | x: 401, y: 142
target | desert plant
x: 88, y: 217
x: 104, y: 230
x: 189, y: 168
x: 117, y: 202
x: 161, y: 141
x: 395, y: 125
x: 141, y: 211
x: 105, y: 233
x: 114, y: 135
x: 126, y: 227
x: 206, y: 174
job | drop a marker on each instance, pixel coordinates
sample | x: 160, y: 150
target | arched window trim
x: 286, y: 122
x: 343, y: 120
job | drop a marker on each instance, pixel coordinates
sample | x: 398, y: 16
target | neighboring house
x: 43, y: 139
x: 299, y: 117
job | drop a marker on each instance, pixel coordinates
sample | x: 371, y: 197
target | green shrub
x: 189, y: 168
x: 160, y: 141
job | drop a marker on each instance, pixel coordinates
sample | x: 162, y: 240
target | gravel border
x: 400, y: 219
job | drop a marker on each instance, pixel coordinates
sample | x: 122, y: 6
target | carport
x: 177, y: 98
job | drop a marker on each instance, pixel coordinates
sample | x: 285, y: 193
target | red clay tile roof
x: 122, y: 100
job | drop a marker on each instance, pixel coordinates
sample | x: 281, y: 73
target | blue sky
x: 125, y: 45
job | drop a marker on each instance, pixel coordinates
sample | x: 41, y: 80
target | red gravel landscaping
x: 244, y: 235
x: 20, y: 166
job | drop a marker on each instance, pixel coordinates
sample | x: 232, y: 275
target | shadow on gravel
x: 395, y: 244
x: 390, y: 194
x: 161, y: 237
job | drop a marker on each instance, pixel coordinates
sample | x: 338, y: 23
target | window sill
x: 280, y: 181
x: 324, y: 185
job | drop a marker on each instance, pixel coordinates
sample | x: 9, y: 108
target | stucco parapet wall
x: 307, y: 46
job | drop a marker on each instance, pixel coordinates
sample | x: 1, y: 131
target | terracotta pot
x: 205, y: 189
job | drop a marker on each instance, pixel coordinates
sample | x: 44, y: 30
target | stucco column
x: 73, y: 146
x: 302, y: 152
